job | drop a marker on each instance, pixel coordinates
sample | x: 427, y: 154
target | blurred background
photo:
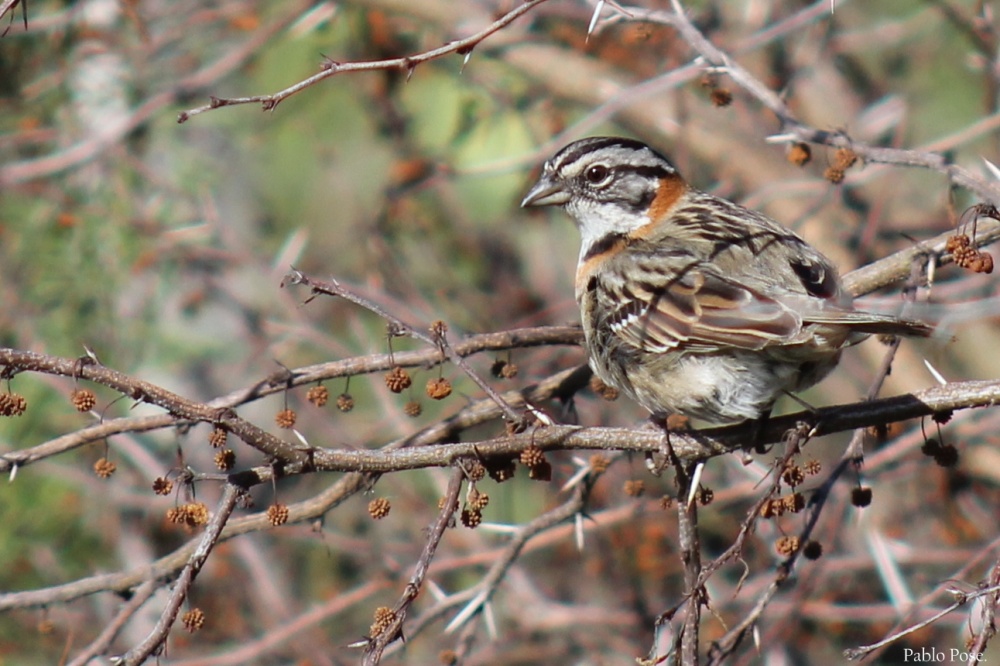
x: 161, y: 247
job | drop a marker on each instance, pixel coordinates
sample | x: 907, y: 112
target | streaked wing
x: 656, y: 312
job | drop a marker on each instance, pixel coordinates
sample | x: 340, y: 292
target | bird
x: 692, y: 304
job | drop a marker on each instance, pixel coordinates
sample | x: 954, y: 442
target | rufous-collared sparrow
x: 692, y: 304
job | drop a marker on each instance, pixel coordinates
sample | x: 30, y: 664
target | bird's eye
x: 596, y: 174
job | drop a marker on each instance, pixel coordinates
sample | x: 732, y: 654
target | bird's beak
x: 546, y: 192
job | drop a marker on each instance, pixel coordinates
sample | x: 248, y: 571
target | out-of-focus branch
x: 88, y: 149
x: 794, y: 130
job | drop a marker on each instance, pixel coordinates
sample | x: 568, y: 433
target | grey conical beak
x: 545, y: 192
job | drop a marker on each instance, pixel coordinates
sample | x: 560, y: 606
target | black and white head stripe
x: 625, y: 156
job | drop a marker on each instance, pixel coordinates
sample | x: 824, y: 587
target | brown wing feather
x: 698, y: 309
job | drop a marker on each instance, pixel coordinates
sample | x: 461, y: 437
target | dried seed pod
x: 438, y: 388
x: 384, y: 617
x: 162, y: 485
x: 471, y: 518
x: 193, y: 620
x: 217, y: 438
x: 813, y: 550
x: 285, y: 418
x: 721, y: 97
x: 277, y: 514
x: 799, y: 154
x: 861, y: 496
x: 345, y: 402
x: 83, y: 399
x: 532, y: 456
x: 398, y: 380
x: 634, y: 487
x: 787, y: 545
x: 104, y: 468
x: 225, y: 459
x: 12, y: 404
x: 318, y: 395
x: 379, y: 508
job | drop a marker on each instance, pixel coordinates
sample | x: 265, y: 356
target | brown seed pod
x: 861, y: 496
x: 318, y: 395
x: 83, y: 399
x: 471, y: 518
x: 345, y: 402
x: 277, y: 514
x: 285, y: 418
x: 162, y: 485
x: 104, y: 468
x: 799, y: 154
x: 398, y: 380
x: 947, y: 456
x: 599, y: 463
x: 500, y: 469
x: 813, y: 550
x: 193, y: 620
x: 438, y: 388
x: 379, y: 508
x: 634, y: 487
x: 834, y: 175
x: 384, y: 617
x: 721, y: 97
x: 532, y: 456
x: 787, y: 545
x: 478, y: 500
x: 844, y: 158
x: 225, y: 459
x: 541, y: 471
x: 12, y: 404
x: 217, y: 438
x: 793, y: 475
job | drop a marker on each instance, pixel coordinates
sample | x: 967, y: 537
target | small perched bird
x: 692, y: 304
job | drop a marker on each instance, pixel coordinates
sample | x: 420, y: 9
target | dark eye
x: 596, y: 174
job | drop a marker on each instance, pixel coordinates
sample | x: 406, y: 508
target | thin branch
x: 961, y: 600
x: 988, y: 618
x: 154, y: 642
x: 331, y: 68
x: 394, y: 630
x: 397, y: 326
x: 499, y: 341
x: 792, y: 129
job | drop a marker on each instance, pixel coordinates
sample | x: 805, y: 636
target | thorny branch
x: 415, y: 453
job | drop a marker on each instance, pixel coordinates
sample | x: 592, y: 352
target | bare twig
x: 990, y: 596
x: 394, y: 630
x: 399, y: 327
x: 158, y: 636
x: 961, y: 599
x: 17, y: 361
x: 331, y: 68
